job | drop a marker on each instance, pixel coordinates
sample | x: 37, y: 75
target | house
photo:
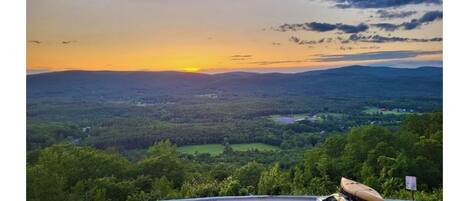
x: 86, y: 129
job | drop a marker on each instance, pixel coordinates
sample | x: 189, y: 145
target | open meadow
x: 217, y: 149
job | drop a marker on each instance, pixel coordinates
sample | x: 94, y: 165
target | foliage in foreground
x: 370, y: 154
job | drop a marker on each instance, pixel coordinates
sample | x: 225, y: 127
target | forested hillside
x: 372, y: 154
x: 352, y: 81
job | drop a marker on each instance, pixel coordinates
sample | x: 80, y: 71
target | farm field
x: 258, y: 146
x: 217, y: 149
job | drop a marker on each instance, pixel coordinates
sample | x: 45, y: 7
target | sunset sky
x: 236, y: 35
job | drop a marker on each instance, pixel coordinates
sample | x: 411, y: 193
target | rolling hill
x: 350, y: 81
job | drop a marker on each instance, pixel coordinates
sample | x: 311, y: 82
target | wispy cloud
x: 265, y: 63
x: 344, y: 48
x: 385, y: 39
x: 385, y: 14
x: 413, y: 24
x: 323, y: 27
x: 299, y: 41
x: 68, y: 42
x: 239, y: 57
x: 34, y: 41
x: 363, y: 38
x: 380, y: 3
x: 380, y: 55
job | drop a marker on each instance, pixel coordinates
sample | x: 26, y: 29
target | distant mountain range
x: 350, y: 81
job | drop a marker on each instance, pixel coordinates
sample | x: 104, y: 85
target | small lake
x: 285, y: 120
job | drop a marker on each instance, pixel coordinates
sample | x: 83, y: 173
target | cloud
x: 323, y: 27
x: 265, y: 63
x: 352, y: 29
x: 384, y: 39
x: 385, y: 14
x: 299, y: 41
x: 344, y: 48
x: 238, y: 57
x: 380, y: 55
x: 413, y: 24
x: 381, y: 3
x: 68, y: 42
x: 320, y: 27
x: 426, y: 18
x: 386, y: 26
x: 363, y: 38
x: 362, y: 27
x: 431, y: 16
x: 34, y: 41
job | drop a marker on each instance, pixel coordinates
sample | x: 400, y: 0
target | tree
x: 230, y: 186
x: 197, y: 188
x: 60, y: 167
x: 162, y: 160
x: 162, y: 148
x: 162, y: 189
x: 249, y: 174
x: 273, y: 182
x: 227, y: 149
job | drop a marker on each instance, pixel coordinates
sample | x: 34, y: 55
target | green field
x: 217, y: 149
x: 258, y: 146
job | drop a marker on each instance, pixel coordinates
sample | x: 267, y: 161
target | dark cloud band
x: 363, y: 38
x: 385, y: 14
x: 323, y: 27
x: 352, y: 29
x: 413, y: 24
x: 380, y: 3
x: 386, y: 39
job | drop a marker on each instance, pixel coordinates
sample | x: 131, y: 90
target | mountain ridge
x: 349, y: 81
x: 222, y: 73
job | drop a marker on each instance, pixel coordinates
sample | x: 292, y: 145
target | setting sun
x: 191, y: 69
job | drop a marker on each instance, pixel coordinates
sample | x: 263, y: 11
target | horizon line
x: 287, y: 70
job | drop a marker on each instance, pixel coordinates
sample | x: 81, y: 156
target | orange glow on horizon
x: 191, y: 69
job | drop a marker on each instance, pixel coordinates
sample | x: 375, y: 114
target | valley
x: 199, y: 135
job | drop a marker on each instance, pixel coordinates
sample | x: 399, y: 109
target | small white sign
x: 411, y: 183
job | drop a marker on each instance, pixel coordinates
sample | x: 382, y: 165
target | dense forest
x: 372, y: 154
x: 117, y: 135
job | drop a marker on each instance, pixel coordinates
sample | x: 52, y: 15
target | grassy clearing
x: 258, y: 146
x: 212, y: 149
x: 217, y: 149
